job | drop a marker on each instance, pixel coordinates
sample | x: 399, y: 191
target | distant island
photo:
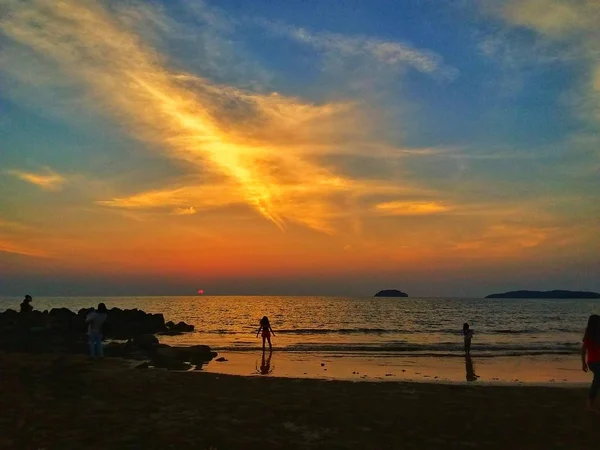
x: 391, y: 293
x: 546, y: 294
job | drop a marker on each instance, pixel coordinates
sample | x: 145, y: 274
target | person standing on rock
x: 26, y: 307
x: 95, y: 320
x: 265, y: 326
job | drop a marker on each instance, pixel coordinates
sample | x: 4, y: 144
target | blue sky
x: 417, y: 137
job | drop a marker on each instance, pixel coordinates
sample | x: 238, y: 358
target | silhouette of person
x: 267, y: 331
x: 467, y: 335
x: 95, y: 319
x: 26, y: 305
x: 591, y: 349
x: 469, y: 369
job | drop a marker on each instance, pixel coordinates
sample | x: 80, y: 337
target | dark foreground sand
x: 66, y: 402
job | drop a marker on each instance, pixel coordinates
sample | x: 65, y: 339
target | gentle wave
x: 450, y: 349
x: 344, y: 331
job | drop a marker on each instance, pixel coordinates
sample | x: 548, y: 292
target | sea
x: 377, y: 326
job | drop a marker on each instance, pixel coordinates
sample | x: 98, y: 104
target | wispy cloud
x: 390, y: 54
x: 184, y: 211
x: 47, y: 180
x: 262, y: 147
x: 572, y: 23
x: 508, y: 239
x: 11, y: 247
x: 411, y: 208
x: 12, y: 239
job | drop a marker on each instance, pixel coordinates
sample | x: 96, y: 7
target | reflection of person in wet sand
x: 265, y: 366
x: 470, y: 369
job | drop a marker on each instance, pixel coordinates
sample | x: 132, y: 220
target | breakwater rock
x: 130, y: 332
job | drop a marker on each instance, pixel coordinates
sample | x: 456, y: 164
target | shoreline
x: 541, y: 370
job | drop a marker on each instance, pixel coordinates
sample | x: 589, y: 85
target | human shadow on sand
x: 470, y: 369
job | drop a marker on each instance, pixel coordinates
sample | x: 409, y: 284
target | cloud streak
x: 47, y: 180
x: 389, y: 54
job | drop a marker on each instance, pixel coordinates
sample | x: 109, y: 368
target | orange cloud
x: 411, y: 208
x: 48, y: 180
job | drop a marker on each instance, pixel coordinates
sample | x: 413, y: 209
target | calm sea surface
x: 404, y: 326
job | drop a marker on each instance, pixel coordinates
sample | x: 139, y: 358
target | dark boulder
x: 132, y: 322
x: 196, y: 354
x: 118, y: 349
x: 181, y: 327
x: 10, y: 313
x: 61, y: 312
x: 170, y: 333
x: 167, y: 358
x: 145, y: 341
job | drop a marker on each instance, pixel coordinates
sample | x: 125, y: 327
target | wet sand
x: 64, y: 402
x: 563, y: 370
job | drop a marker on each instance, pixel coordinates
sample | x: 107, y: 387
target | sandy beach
x: 64, y: 402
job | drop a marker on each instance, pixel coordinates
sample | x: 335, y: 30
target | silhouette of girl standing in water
x: 265, y: 326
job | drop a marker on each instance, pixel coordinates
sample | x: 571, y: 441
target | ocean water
x: 385, y: 326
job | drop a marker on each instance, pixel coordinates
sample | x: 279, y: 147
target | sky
x: 300, y: 147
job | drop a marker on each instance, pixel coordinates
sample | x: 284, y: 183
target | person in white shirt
x: 95, y: 320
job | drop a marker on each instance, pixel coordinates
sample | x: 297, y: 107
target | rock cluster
x: 60, y: 330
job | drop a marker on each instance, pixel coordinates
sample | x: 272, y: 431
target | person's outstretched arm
x: 584, y: 365
x: 258, y: 331
x: 270, y: 328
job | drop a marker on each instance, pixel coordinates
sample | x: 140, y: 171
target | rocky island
x: 546, y: 294
x: 391, y: 293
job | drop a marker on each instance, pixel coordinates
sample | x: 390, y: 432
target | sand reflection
x: 265, y: 365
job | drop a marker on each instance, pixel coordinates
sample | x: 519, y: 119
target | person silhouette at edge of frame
x: 265, y: 326
x: 591, y: 348
x: 25, y: 307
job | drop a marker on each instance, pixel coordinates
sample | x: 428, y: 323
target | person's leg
x: 270, y: 346
x: 92, y: 344
x: 99, y: 346
x: 593, y: 393
x: 263, y: 344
